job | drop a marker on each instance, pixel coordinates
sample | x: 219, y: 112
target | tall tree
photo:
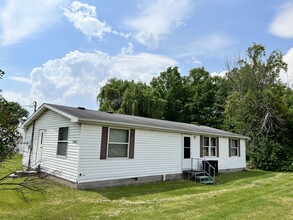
x: 257, y: 107
x: 206, y: 98
x: 170, y: 87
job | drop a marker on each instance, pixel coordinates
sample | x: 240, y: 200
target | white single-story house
x: 92, y: 149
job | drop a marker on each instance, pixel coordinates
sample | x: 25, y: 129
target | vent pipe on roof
x: 81, y: 108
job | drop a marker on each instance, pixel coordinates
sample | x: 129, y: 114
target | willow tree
x: 131, y: 98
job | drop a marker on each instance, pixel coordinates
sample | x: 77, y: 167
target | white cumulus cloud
x: 22, y: 19
x: 283, y: 22
x: 157, y: 19
x: 75, y: 78
x: 84, y: 18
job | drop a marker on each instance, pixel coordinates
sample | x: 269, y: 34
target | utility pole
x: 32, y: 138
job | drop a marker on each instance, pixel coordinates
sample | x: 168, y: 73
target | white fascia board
x: 110, y: 123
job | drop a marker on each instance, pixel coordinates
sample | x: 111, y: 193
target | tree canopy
x: 250, y: 100
x: 257, y: 106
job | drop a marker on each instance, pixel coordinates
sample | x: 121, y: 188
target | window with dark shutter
x: 131, y: 143
x: 238, y: 147
x: 201, y: 146
x: 117, y: 143
x: 218, y: 153
x: 210, y: 146
x: 234, y: 147
x: 229, y: 147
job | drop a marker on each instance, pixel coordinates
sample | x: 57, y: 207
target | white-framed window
x: 209, y: 146
x: 234, y: 147
x: 62, y: 141
x: 118, y: 143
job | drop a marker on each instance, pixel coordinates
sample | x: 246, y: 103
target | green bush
x: 270, y: 155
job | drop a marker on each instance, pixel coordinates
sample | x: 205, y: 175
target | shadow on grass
x: 169, y: 187
x: 244, y: 176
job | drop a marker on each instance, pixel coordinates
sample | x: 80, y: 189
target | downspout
x: 32, y: 138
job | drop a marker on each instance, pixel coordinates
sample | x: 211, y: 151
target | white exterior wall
x: 224, y: 161
x: 50, y: 122
x: 155, y: 153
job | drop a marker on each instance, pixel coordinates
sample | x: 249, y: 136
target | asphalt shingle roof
x: 112, y: 118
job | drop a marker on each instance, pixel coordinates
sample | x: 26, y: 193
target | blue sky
x: 62, y: 51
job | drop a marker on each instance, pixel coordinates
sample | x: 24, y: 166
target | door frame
x: 40, y: 143
x: 186, y: 163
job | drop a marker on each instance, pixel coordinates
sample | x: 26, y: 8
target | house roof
x: 82, y: 115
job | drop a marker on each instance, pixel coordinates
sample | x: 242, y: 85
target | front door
x: 40, y: 147
x: 186, y: 152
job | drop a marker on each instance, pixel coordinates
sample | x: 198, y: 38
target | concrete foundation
x: 128, y: 181
x: 232, y: 170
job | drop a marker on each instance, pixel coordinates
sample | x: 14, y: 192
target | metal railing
x: 203, y: 165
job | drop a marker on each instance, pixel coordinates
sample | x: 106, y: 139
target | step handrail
x: 210, y: 167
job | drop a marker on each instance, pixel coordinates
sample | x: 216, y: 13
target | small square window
x: 186, y: 153
x: 234, y: 143
x: 234, y: 151
x: 63, y: 134
x: 213, y: 141
x: 117, y: 150
x: 206, y: 151
x: 206, y: 141
x: 213, y: 151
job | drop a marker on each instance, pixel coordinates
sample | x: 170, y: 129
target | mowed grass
x: 244, y: 195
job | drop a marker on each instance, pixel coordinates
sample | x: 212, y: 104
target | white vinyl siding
x: 156, y: 153
x: 49, y: 122
x: 224, y: 161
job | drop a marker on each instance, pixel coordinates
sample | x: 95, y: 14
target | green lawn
x: 244, y: 195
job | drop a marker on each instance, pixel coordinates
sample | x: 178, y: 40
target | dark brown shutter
x: 104, y: 142
x: 229, y: 147
x: 217, y: 147
x: 238, y: 147
x: 131, y: 143
x: 201, y: 146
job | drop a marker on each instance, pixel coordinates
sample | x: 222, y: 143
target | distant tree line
x: 249, y: 100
